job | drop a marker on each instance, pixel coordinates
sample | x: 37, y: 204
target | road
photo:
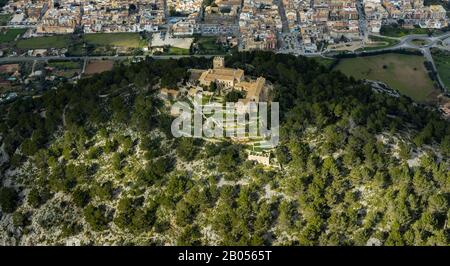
x: 407, y: 43
x: 362, y: 20
x: 18, y: 59
x: 282, y: 12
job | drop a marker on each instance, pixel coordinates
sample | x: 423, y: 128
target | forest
x: 96, y: 162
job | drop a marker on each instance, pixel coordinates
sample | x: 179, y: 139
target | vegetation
x: 233, y: 96
x: 176, y: 51
x: 405, y: 73
x: 3, y: 2
x: 379, y: 43
x: 398, y: 31
x: 420, y: 42
x: 4, y: 18
x: 65, y: 64
x: 57, y: 41
x: 209, y: 46
x: 326, y: 62
x: 9, y: 35
x: 442, y: 61
x: 8, y: 199
x: 357, y: 165
x: 127, y: 40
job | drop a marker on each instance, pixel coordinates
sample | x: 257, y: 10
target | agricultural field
x: 10, y: 35
x: 65, y: 64
x: 57, y: 41
x: 405, y: 73
x: 127, y: 40
x: 177, y: 51
x: 442, y: 61
x: 98, y: 66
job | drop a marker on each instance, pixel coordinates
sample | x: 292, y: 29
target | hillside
x: 95, y: 164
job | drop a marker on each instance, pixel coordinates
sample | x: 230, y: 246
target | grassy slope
x: 405, y: 73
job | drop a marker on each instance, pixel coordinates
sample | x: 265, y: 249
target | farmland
x: 57, y: 41
x: 127, y: 40
x: 98, y: 66
x: 177, y: 51
x: 405, y: 73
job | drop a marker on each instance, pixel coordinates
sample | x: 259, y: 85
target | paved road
x: 17, y: 59
x: 406, y: 42
x: 362, y: 20
x: 432, y: 42
x: 282, y: 12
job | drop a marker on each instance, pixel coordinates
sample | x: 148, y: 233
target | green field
x: 10, y: 35
x: 127, y: 40
x: 57, y: 41
x: 405, y: 73
x: 442, y: 61
x: 64, y: 64
x: 177, y: 51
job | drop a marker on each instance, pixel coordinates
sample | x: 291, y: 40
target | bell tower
x: 218, y: 62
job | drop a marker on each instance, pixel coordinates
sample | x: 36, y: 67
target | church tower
x: 218, y: 62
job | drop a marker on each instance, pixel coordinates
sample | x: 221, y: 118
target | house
x: 259, y: 157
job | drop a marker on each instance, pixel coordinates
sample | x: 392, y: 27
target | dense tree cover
x: 3, y: 2
x: 106, y: 142
x: 233, y: 96
x: 8, y: 199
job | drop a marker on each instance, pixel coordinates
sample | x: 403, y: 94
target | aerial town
x: 295, y: 26
x: 225, y: 123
